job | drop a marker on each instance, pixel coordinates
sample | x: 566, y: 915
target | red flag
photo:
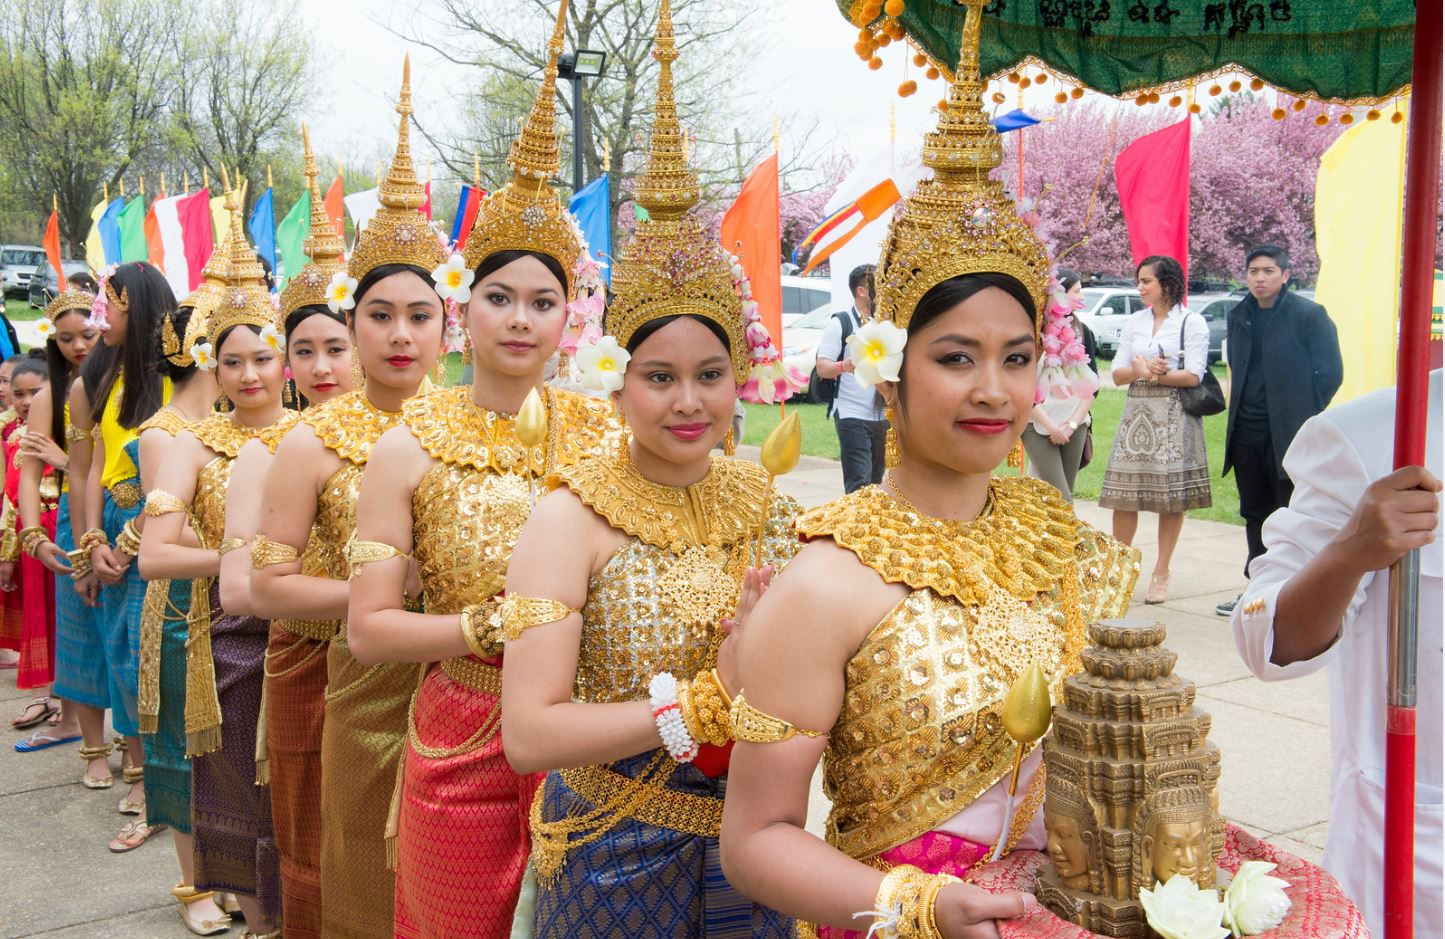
x: 336, y: 207
x: 1152, y: 174
x: 753, y: 229
x: 426, y: 206
x: 52, y: 247
x: 194, y: 214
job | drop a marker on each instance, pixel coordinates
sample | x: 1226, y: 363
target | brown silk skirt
x: 295, y: 708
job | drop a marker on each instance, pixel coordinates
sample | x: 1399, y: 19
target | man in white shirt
x: 1319, y: 597
x: 857, y: 411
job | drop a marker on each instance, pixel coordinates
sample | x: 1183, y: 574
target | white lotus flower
x: 44, y: 328
x: 341, y: 292
x: 1180, y: 910
x: 603, y: 364
x: 200, y: 353
x: 1254, y: 902
x: 876, y: 352
x: 453, y: 281
x: 273, y: 337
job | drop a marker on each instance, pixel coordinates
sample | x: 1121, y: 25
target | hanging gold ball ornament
x: 1347, y: 118
x: 1061, y: 98
x: 1215, y: 89
x: 907, y: 88
x: 1277, y: 114
x: 1235, y: 85
x: 1076, y: 94
x: 875, y: 63
x: 1175, y: 101
x: 1397, y: 117
x: 998, y: 97
x: 1195, y: 108
x: 1141, y: 100
x: 1373, y: 114
x: 919, y: 59
x: 1025, y: 81
x: 1299, y: 104
x: 932, y: 73
x: 870, y: 11
x: 884, y: 39
x: 863, y: 50
x: 1013, y: 77
x: 1153, y: 97
x: 942, y: 105
x: 893, y: 7
x: 1256, y: 85
x: 865, y: 35
x: 1322, y: 120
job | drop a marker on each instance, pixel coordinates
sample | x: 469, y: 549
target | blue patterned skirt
x: 168, y: 772
x: 120, y: 606
x: 81, y: 672
x: 646, y: 882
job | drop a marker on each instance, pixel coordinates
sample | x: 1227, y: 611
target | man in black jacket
x: 1284, y: 361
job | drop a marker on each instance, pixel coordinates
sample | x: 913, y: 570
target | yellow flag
x: 220, y: 219
x: 94, y: 248
x: 1359, y: 198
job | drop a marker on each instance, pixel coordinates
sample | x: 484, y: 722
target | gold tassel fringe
x: 203, y: 707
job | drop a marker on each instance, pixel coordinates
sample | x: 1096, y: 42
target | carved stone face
x: 1067, y: 849
x: 1179, y: 847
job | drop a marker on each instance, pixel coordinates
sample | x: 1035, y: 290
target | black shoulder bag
x: 825, y: 390
x: 1205, y: 398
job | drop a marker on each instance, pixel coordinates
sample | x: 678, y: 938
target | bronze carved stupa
x: 1132, y: 785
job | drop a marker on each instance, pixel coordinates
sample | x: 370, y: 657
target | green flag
x: 132, y: 231
x: 291, y: 235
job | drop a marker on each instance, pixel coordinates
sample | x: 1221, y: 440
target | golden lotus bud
x: 532, y: 421
x: 784, y: 446
x: 1027, y: 710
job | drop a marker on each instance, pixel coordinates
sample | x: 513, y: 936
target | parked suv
x: 1105, y: 311
x: 17, y: 264
x: 43, y: 288
x: 1215, y: 307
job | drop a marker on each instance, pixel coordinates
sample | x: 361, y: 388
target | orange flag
x: 52, y: 246
x: 336, y: 207
x: 752, y: 229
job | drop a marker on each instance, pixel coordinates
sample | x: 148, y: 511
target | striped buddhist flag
x: 131, y: 221
x: 838, y: 229
x: 183, y: 233
x: 468, y: 202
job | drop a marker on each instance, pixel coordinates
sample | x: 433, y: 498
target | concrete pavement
x: 60, y: 881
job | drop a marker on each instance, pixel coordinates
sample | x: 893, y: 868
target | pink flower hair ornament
x: 99, y: 317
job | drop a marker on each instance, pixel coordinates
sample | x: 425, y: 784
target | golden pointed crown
x: 68, y: 300
x: 398, y: 233
x: 307, y: 287
x: 670, y: 266
x: 526, y: 214
x: 959, y: 221
x: 243, y: 297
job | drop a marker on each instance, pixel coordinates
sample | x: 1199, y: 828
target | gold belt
x: 661, y: 807
x: 126, y: 493
x: 477, y: 676
x: 314, y: 629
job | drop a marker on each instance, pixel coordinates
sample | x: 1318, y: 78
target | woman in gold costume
x: 300, y: 572
x: 620, y: 585
x: 231, y: 815
x: 888, y: 645
x: 448, y: 493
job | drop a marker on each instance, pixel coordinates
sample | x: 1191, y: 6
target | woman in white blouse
x: 1158, y: 463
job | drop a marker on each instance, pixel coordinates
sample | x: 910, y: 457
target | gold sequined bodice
x: 225, y: 438
x: 658, y: 602
x: 469, y: 508
x: 920, y: 736
x: 336, y: 519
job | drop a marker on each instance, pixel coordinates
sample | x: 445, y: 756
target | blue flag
x: 263, y: 231
x: 1013, y: 120
x: 110, y: 231
x: 592, y: 207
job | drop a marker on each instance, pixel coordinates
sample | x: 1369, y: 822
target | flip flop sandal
x: 133, y: 835
x: 25, y: 721
x: 42, y: 741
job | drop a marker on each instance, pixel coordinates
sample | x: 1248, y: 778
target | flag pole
x: 1422, y: 183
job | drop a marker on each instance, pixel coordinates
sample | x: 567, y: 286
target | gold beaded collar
x: 167, y: 419
x: 721, y: 509
x: 350, y: 425
x: 226, y: 437
x: 1023, y: 542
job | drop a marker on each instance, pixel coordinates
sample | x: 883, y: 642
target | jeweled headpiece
x: 670, y: 266
x: 960, y: 221
x: 398, y: 233
x: 66, y: 301
x: 526, y: 214
x: 243, y: 297
x: 307, y: 287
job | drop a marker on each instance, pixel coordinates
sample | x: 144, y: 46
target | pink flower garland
x: 99, y: 317
x: 770, y: 380
x: 1064, y: 371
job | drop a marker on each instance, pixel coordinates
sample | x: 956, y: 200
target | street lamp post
x: 575, y: 66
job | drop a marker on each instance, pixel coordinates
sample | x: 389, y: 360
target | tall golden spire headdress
x: 670, y: 266
x: 245, y: 300
x: 307, y: 287
x: 526, y: 214
x: 398, y: 233
x: 959, y: 221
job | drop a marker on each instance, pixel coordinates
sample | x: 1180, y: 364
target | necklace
x: 942, y: 524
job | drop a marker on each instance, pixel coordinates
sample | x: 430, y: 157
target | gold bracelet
x: 79, y: 562
x: 929, y: 911
x: 159, y: 502
x: 722, y: 689
x: 520, y: 614
x: 9, y: 546
x: 32, y: 537
x: 360, y: 552
x: 228, y: 545
x: 753, y: 726
x: 128, y: 541
x: 469, y: 633
x: 703, y: 709
x: 94, y: 538
x: 266, y: 552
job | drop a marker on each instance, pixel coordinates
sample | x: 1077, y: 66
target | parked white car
x: 802, y: 336
x: 17, y: 265
x: 803, y: 295
x: 1105, y: 311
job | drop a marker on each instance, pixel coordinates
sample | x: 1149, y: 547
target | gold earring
x: 288, y: 393
x: 467, y: 350
x: 891, y: 456
x: 729, y: 444
x: 358, y: 374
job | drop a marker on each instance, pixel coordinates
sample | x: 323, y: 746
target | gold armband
x: 520, y: 614
x: 753, y: 726
x: 74, y: 434
x: 360, y: 552
x: 266, y: 552
x: 92, y: 539
x: 907, y: 896
x: 128, y: 541
x: 228, y: 545
x: 160, y: 502
x: 9, y: 546
x: 95, y: 433
x: 32, y: 538
x: 705, y: 708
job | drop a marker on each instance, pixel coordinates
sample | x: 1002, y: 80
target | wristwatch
x: 1073, y: 426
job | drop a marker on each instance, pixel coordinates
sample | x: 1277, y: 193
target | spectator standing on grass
x: 1068, y: 380
x: 1158, y: 463
x: 856, y: 409
x: 1284, y: 362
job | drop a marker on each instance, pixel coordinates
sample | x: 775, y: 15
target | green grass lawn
x: 820, y: 439
x: 19, y: 310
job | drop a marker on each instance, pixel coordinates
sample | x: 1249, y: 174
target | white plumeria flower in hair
x: 453, y: 280
x: 603, y: 364
x: 45, y: 329
x: 341, y: 292
x: 201, y: 354
x: 273, y: 337
x: 876, y: 352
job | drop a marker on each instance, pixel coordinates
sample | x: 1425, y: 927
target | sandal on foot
x: 185, y: 896
x: 95, y: 753
x: 129, y: 807
x: 133, y: 835
x: 40, y: 740
x: 37, y: 711
x: 1158, y: 590
x: 231, y: 905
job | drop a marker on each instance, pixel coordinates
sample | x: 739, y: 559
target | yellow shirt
x: 118, y: 464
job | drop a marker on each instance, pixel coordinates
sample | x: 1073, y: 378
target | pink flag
x: 194, y: 214
x: 1152, y: 174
